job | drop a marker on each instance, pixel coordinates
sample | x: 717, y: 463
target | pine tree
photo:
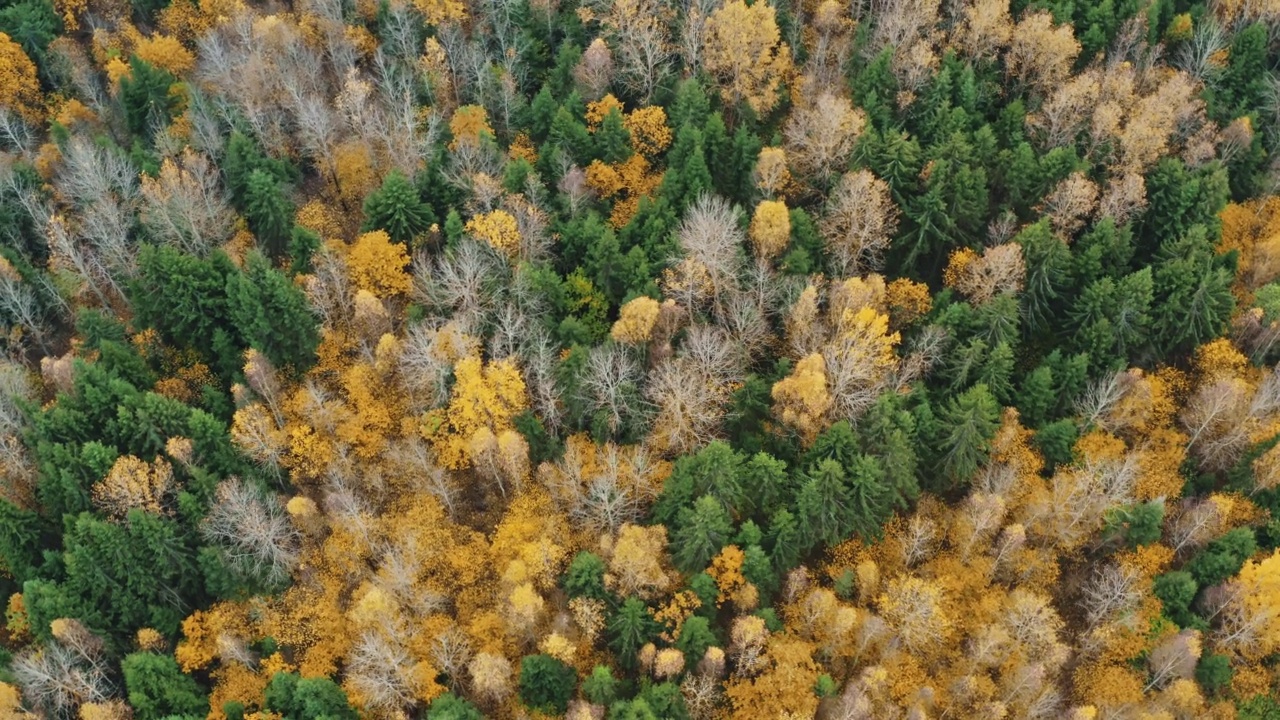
x: 269, y: 212
x: 612, y: 140
x: 969, y: 421
x: 629, y: 629
x: 546, y: 684
x: 824, y: 506
x: 396, y: 208
x: 157, y: 687
x: 702, y: 530
x: 148, y: 104
x: 272, y: 314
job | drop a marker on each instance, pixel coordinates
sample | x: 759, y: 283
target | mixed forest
x: 640, y: 359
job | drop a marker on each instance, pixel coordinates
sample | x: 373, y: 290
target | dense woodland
x: 640, y: 359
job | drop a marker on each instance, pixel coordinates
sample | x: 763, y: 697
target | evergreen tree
x: 185, y: 299
x: 701, y: 531
x: 612, y: 140
x: 714, y: 470
x: 268, y: 212
x: 546, y: 684
x: 157, y: 687
x: 298, y: 698
x: 1192, y: 290
x: 969, y: 423
x: 396, y: 208
x: 824, y: 505
x: 272, y: 314
x: 103, y: 587
x: 600, y: 687
x: 585, y: 577
x: 629, y: 629
x: 144, y: 93
x: 451, y: 707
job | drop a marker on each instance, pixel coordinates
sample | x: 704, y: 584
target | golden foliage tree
x: 742, y: 47
x: 636, y: 321
x: 377, y: 264
x: 498, y: 228
x: 21, y: 88
x: 770, y: 229
x: 803, y: 399
x: 485, y: 397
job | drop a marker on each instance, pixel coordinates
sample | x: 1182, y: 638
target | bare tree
x: 252, y: 528
x: 1196, y: 56
x: 642, y: 51
x: 858, y: 223
x: 415, y: 460
x: 381, y: 670
x: 185, y: 205
x: 710, y: 236
x: 820, y: 135
x: 1112, y: 591
x: 594, y: 72
x: 65, y: 673
x: 1102, y: 394
x: 1173, y: 659
x: 610, y: 383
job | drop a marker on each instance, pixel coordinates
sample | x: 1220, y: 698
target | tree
x: 157, y: 687
x: 546, y: 684
x: 742, y: 49
x: 969, y: 422
x: 1223, y: 557
x: 824, y: 505
x: 630, y: 628
x: 701, y: 531
x: 451, y: 707
x: 770, y: 229
x: 269, y: 212
x: 185, y: 206
x: 585, y: 577
x: 65, y: 672
x: 148, y: 103
x: 858, y: 223
x: 272, y: 314
x: 253, y: 531
x: 1252, y: 625
x: 820, y: 135
x: 297, y: 698
x: 1041, y: 54
x: 802, y: 399
x: 21, y: 87
x: 396, y: 208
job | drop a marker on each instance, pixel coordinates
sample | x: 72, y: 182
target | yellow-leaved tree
x: 486, y: 398
x: 499, y: 229
x: 377, y: 264
x: 636, y: 320
x: 742, y: 48
x: 19, y: 88
x: 802, y: 398
x: 770, y: 229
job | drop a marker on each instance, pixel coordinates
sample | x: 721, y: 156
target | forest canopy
x: 638, y: 359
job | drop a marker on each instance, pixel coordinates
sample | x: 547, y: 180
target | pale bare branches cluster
x: 60, y: 676
x: 184, y: 205
x: 859, y: 221
x: 253, y: 530
x: 1222, y: 414
x: 821, y: 132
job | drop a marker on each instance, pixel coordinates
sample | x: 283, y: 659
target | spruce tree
x: 145, y: 95
x: 396, y: 208
x: 269, y: 213
x: 612, y: 140
x: 272, y: 314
